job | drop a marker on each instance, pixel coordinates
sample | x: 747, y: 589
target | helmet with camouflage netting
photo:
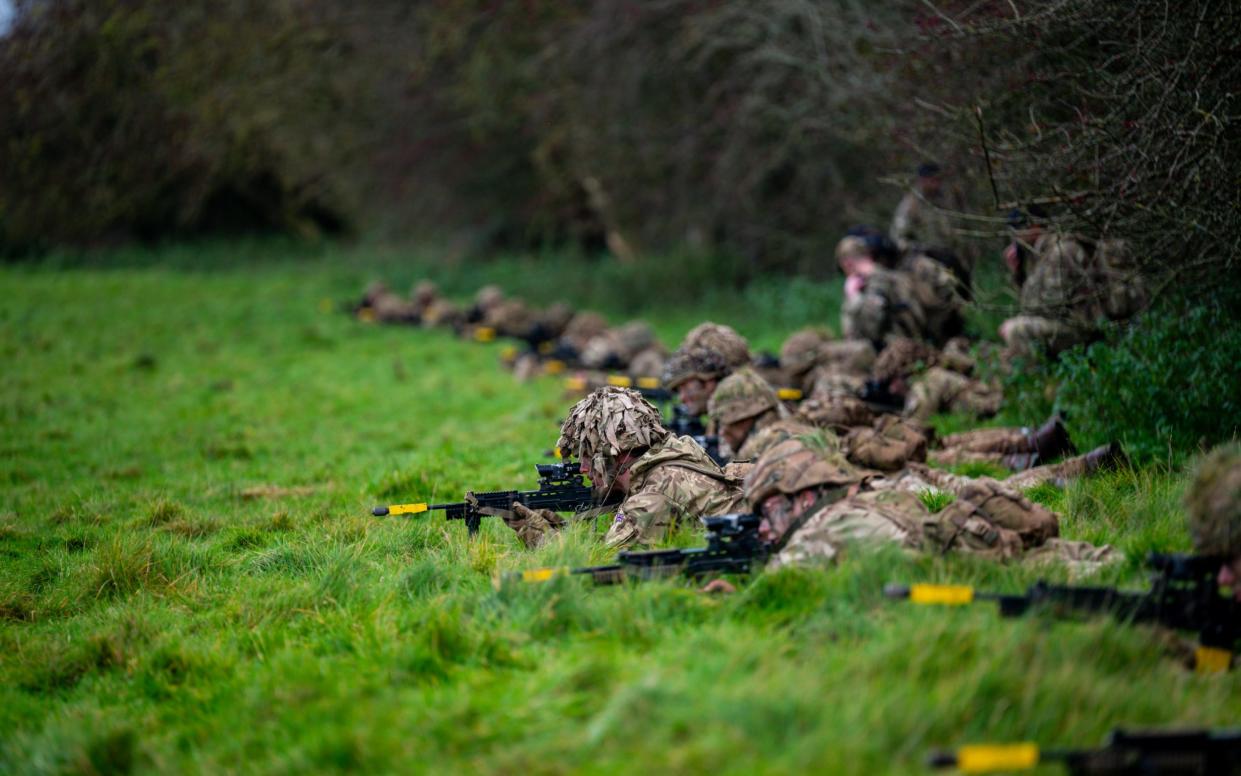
x: 488, y: 296
x: 701, y: 363
x: 802, y: 350
x: 743, y: 394
x: 607, y: 423
x: 424, y: 292
x: 1213, y: 502
x: 724, y: 340
x: 807, y: 461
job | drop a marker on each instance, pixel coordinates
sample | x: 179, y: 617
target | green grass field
x: 191, y: 579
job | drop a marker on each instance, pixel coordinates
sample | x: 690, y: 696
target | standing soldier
x: 623, y: 447
x: 921, y: 219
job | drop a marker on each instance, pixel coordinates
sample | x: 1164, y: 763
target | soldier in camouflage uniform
x: 912, y: 373
x: 580, y: 330
x: 623, y: 447
x: 815, y: 504
x: 749, y: 415
x: 380, y: 304
x: 1059, y: 298
x: 1213, y: 504
x: 693, y: 375
x: 615, y: 348
x: 921, y: 219
x: 879, y: 303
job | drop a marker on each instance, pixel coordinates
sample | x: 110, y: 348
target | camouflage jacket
x: 889, y: 516
x: 939, y: 293
x: 886, y: 307
x: 943, y: 390
x: 672, y: 482
x: 1061, y: 284
x: 918, y: 222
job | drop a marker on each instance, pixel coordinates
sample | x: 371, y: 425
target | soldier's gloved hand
x: 503, y: 514
x: 532, y: 526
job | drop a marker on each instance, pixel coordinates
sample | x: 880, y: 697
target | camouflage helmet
x: 648, y: 363
x: 634, y: 337
x: 850, y: 247
x: 795, y: 464
x: 583, y: 326
x: 722, y: 339
x: 743, y: 394
x: 902, y: 358
x: 607, y: 423
x: 701, y: 363
x: 424, y: 292
x: 802, y: 350
x: 488, y: 296
x: 1213, y: 502
x: 555, y: 319
x: 374, y: 290
x: 511, y: 318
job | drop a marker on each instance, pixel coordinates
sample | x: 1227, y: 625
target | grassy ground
x: 190, y: 579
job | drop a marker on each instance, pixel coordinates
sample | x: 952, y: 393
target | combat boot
x: 1051, y: 440
x: 1106, y: 458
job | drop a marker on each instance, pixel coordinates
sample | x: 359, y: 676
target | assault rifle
x: 733, y: 547
x: 1184, y: 595
x: 1149, y: 753
x: 561, y: 489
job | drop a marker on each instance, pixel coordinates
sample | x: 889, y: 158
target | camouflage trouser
x: 1026, y: 335
x: 942, y: 390
x: 1080, y: 557
x: 1057, y: 474
x: 1010, y: 447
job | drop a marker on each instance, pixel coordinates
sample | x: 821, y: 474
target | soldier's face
x: 1230, y: 577
x: 777, y: 512
x: 735, y: 434
x: 694, y: 393
x: 780, y: 511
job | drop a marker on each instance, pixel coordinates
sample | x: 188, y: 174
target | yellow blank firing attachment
x: 575, y: 384
x: 399, y: 509
x: 540, y: 575
x: 509, y: 353
x: 620, y: 381
x: 553, y: 366
x: 649, y: 383
x: 484, y: 334
x: 998, y: 757
x: 1212, y: 660
x: 944, y: 595
x: 789, y: 394
x: 366, y: 315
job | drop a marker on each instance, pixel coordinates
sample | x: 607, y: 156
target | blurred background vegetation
x: 758, y: 128
x: 694, y: 143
